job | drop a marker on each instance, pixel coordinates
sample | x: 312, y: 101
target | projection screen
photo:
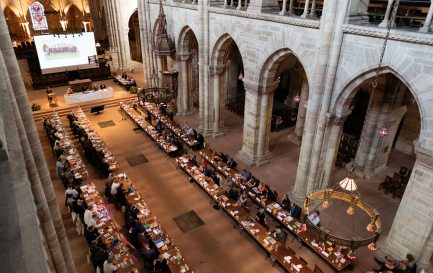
x: 59, y: 53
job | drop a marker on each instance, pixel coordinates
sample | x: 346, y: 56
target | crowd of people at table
x: 127, y: 81
x: 93, y: 155
x: 137, y: 234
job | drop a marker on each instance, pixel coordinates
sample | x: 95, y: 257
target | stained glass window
x: 39, y: 21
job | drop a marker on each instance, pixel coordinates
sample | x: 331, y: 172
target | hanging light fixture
x: 350, y: 210
x: 372, y: 246
x: 372, y: 227
x: 325, y: 203
x: 63, y: 21
x: 384, y: 132
x: 348, y: 183
x: 296, y: 99
x: 241, y: 76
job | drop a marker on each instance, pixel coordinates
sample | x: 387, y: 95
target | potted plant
x: 36, y: 107
x: 133, y: 90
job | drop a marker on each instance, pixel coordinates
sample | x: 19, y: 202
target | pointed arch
x: 341, y: 103
x: 221, y: 49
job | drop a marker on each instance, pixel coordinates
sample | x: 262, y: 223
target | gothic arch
x: 221, y: 49
x: 342, y: 101
x: 185, y: 40
x: 268, y: 73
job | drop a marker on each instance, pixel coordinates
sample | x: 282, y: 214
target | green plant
x: 36, y: 107
x: 133, y: 90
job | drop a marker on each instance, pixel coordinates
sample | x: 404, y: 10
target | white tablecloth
x: 89, y: 96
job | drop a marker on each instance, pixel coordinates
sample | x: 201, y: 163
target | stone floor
x: 216, y: 244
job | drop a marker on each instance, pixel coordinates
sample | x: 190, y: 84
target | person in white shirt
x: 91, y: 222
x: 114, y: 187
x: 87, y: 216
x: 72, y: 192
x: 109, y: 267
x: 314, y: 218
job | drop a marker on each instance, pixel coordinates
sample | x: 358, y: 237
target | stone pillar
x: 358, y: 11
x: 305, y: 13
x: 331, y: 28
x: 313, y: 9
x: 330, y: 151
x: 203, y: 41
x: 215, y: 73
x: 37, y: 170
x: 257, y: 120
x: 239, y: 4
x: 184, y: 94
x: 296, y: 137
x: 428, y: 20
x: 290, y: 12
x: 144, y: 41
x: 385, y: 21
x: 412, y: 226
x: 284, y: 8
x: 260, y: 6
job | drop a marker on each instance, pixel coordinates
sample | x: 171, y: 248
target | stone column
x: 305, y: 13
x: 385, y: 21
x: 313, y: 9
x: 184, y: 96
x: 424, y: 260
x: 290, y: 12
x: 38, y: 174
x: 333, y: 132
x: 144, y: 41
x: 284, y: 8
x: 203, y: 41
x: 331, y: 28
x: 412, y: 226
x: 257, y: 120
x: 260, y: 6
x: 263, y: 154
x: 239, y: 4
x: 296, y: 137
x: 215, y: 72
x: 428, y: 20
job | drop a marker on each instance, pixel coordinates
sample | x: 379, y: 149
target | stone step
x: 38, y: 115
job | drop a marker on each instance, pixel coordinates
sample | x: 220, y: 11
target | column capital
x: 216, y: 69
x: 423, y: 156
x: 183, y: 57
x: 338, y: 118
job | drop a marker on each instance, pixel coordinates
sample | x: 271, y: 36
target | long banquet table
x: 334, y: 258
x: 286, y: 257
x: 108, y: 230
x: 89, y: 95
x: 152, y: 108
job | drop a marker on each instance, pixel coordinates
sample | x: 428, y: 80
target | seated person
x: 69, y: 91
x: 315, y: 218
x: 233, y: 194
x: 223, y: 157
x: 278, y: 123
x: 206, y: 171
x: 261, y: 218
x: 109, y: 266
x: 242, y: 201
x: 124, y: 76
x: 294, y: 211
x: 262, y: 188
x: 91, y: 234
x: 95, y: 87
x: 246, y: 174
x: 160, y: 264
x: 279, y: 236
x: 102, y: 86
x: 231, y: 163
x: 271, y: 195
x: 253, y: 182
x: 285, y: 202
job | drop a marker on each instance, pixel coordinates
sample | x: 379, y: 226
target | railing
x: 411, y: 15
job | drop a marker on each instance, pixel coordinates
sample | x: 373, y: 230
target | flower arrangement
x: 36, y: 107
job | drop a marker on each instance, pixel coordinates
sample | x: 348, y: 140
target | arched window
x: 39, y: 21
